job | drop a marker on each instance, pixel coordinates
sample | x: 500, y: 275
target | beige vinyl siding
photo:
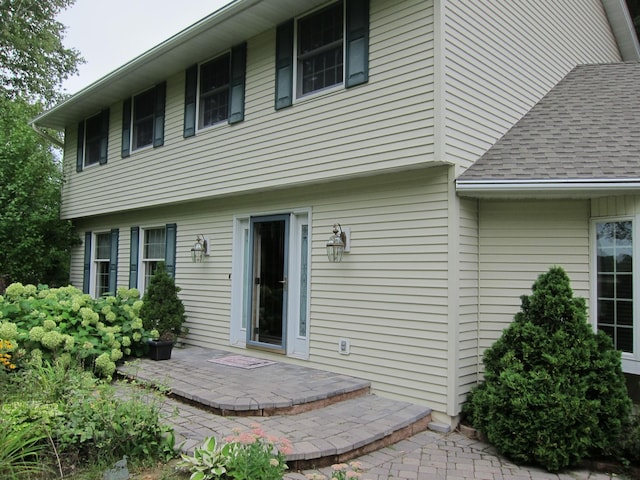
x: 386, y: 124
x: 468, y: 326
x: 519, y: 240
x: 500, y: 58
x: 389, y: 295
x: 613, y: 206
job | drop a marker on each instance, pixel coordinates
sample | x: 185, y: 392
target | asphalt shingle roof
x: 587, y: 127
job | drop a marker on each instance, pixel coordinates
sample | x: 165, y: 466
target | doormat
x: 241, y: 361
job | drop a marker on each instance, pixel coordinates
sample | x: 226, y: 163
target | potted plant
x: 162, y: 314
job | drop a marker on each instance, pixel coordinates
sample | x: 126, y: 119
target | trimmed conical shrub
x: 162, y: 309
x: 553, y: 390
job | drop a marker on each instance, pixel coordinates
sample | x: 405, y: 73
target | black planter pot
x: 160, y: 349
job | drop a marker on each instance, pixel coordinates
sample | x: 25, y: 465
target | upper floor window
x: 143, y: 120
x: 214, y: 91
x: 320, y: 49
x: 143, y: 109
x: 325, y: 48
x: 93, y: 135
x: 213, y: 94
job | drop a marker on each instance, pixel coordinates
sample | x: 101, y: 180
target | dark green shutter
x: 284, y: 65
x: 86, y: 278
x: 190, y: 95
x: 104, y: 136
x: 237, y: 83
x: 134, y: 257
x: 170, y: 249
x: 357, y: 67
x: 113, y: 261
x: 126, y: 128
x: 158, y: 119
x: 80, y: 151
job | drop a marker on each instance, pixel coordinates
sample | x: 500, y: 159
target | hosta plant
x: 245, y: 455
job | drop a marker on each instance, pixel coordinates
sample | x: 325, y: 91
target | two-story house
x: 264, y: 124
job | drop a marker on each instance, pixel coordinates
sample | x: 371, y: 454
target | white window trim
x: 85, y: 150
x: 297, y: 96
x: 630, y: 361
x: 142, y: 267
x: 131, y: 122
x: 221, y: 122
x: 93, y: 274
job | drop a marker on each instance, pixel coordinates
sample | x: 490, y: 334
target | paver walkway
x: 437, y: 456
x: 331, y: 428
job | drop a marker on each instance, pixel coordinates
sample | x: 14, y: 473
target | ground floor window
x: 102, y: 256
x: 153, y: 252
x: 615, y: 282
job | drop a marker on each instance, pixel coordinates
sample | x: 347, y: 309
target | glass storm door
x: 269, y: 267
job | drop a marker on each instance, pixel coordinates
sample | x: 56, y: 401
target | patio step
x: 320, y: 437
x: 192, y: 375
x: 328, y: 417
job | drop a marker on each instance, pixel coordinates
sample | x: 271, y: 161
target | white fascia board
x: 568, y: 188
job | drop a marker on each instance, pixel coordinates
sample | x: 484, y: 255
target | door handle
x: 283, y: 281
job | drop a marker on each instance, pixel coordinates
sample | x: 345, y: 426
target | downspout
x: 47, y: 137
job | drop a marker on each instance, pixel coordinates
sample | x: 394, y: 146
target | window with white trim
x: 143, y: 113
x: 213, y: 91
x: 614, y: 282
x: 92, y: 141
x: 325, y: 49
x: 320, y: 49
x: 153, y: 252
x: 101, y: 260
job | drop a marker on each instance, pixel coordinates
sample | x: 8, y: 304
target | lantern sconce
x: 200, y: 249
x: 339, y: 243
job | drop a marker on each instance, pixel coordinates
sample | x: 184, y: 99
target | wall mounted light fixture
x: 200, y: 249
x: 337, y: 244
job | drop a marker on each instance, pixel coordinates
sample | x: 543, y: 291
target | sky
x: 110, y: 33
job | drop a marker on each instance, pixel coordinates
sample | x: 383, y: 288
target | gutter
x: 46, y: 136
x: 547, y: 188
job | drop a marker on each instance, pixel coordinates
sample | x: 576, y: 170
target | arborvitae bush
x: 162, y: 310
x: 553, y: 390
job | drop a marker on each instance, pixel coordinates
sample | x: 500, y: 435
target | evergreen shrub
x: 162, y: 311
x: 553, y: 390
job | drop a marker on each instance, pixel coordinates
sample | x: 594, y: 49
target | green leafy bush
x: 48, y: 323
x: 554, y: 392
x: 86, y: 420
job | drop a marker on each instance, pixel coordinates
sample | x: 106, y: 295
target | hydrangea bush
x: 44, y: 323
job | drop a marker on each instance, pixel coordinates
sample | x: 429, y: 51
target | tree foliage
x: 33, y: 63
x: 35, y: 243
x: 33, y: 60
x: 554, y: 392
